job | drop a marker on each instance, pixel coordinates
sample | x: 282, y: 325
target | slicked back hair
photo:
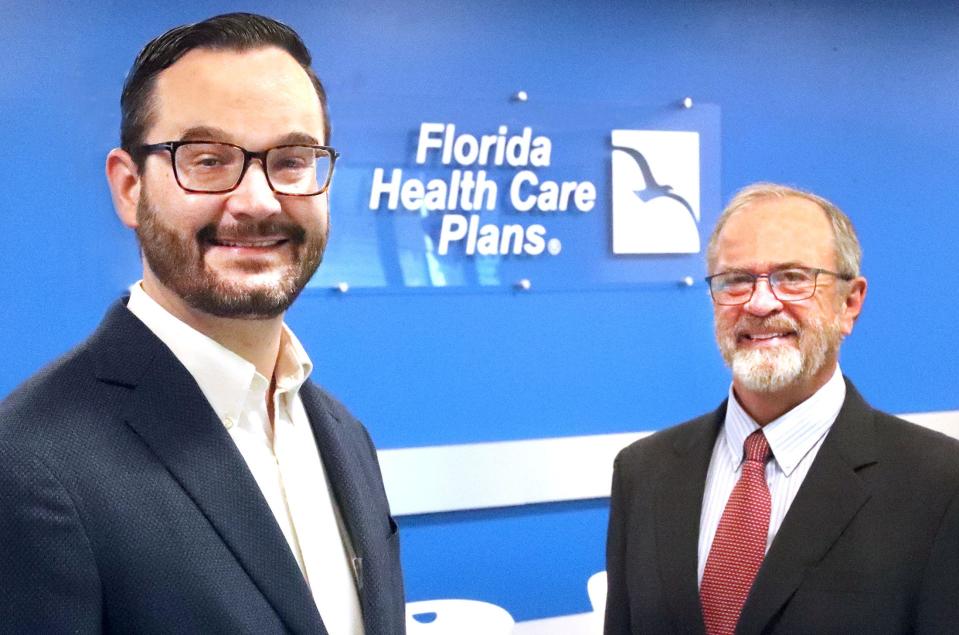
x: 230, y: 31
x: 846, y: 244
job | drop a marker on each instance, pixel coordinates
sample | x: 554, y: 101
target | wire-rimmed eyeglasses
x: 730, y: 288
x: 213, y: 167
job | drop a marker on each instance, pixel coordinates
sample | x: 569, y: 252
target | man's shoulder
x: 922, y: 449
x: 657, y: 448
x: 61, y: 395
x: 46, y: 416
x: 896, y: 439
x: 58, y: 383
x: 896, y: 427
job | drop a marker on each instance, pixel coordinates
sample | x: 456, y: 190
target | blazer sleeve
x: 617, y: 621
x: 938, y: 610
x: 48, y: 577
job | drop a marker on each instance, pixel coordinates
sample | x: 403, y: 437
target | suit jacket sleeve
x: 48, y: 577
x: 617, y: 599
x: 939, y: 596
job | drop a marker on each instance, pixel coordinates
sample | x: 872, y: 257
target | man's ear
x: 123, y: 176
x: 852, y: 304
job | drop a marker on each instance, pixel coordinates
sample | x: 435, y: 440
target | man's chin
x: 260, y: 280
x: 255, y: 297
x: 767, y: 370
x: 259, y: 305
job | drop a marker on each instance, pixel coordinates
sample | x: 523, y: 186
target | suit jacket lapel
x: 678, y: 506
x: 350, y: 479
x: 169, y: 412
x: 828, y: 500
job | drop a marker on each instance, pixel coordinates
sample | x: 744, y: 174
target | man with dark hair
x: 794, y: 507
x: 178, y: 471
x: 232, y: 31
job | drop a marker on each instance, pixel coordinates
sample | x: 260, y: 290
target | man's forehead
x: 258, y: 91
x: 205, y: 62
x: 777, y: 230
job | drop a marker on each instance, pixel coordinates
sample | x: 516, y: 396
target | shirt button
x: 229, y: 422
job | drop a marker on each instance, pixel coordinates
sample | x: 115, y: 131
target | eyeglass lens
x: 211, y: 167
x: 786, y: 284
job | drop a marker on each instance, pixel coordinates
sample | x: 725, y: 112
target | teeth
x: 252, y: 243
x: 765, y: 336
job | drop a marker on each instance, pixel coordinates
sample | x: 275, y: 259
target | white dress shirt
x: 794, y: 438
x: 283, y: 457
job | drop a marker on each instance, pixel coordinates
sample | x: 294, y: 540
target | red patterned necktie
x: 740, y: 542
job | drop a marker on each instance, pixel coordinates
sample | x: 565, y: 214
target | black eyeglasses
x: 211, y: 167
x: 788, y: 285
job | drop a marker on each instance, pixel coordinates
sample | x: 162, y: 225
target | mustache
x: 773, y: 323
x: 248, y: 231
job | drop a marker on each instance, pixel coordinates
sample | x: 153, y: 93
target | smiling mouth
x: 761, y: 338
x: 251, y: 238
x: 257, y: 243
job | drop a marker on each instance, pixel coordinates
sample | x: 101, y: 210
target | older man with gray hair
x: 794, y: 507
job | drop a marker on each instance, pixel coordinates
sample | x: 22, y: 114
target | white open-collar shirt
x: 794, y: 439
x: 282, y: 457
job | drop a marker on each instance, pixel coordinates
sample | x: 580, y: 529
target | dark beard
x: 178, y: 264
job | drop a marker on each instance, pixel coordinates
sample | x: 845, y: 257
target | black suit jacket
x: 126, y: 507
x: 869, y: 545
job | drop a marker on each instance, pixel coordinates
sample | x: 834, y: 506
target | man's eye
x: 291, y: 163
x: 738, y: 281
x: 792, y: 276
x: 208, y: 162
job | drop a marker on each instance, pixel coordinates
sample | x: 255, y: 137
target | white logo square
x: 655, y: 181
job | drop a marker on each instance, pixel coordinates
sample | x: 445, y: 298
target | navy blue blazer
x: 125, y: 506
x: 869, y: 545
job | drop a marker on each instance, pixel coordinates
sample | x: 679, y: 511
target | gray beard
x: 773, y: 369
x: 768, y: 370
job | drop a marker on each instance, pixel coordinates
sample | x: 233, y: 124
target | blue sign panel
x: 479, y: 195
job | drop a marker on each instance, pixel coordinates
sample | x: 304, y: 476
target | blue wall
x: 858, y: 102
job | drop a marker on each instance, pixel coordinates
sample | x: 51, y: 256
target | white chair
x: 596, y: 590
x: 457, y: 617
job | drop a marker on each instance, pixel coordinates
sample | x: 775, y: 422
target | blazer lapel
x: 169, y: 412
x: 828, y: 500
x: 678, y: 506
x: 343, y: 450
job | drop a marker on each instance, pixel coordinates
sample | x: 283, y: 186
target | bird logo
x: 655, y: 193
x: 652, y: 189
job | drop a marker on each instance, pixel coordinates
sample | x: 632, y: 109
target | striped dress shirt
x: 794, y: 438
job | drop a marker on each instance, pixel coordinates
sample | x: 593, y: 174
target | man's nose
x: 763, y: 301
x: 253, y: 197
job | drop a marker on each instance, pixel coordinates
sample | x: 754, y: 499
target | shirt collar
x: 293, y: 366
x: 224, y: 377
x: 792, y: 435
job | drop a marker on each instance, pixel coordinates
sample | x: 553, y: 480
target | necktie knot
x: 756, y: 447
